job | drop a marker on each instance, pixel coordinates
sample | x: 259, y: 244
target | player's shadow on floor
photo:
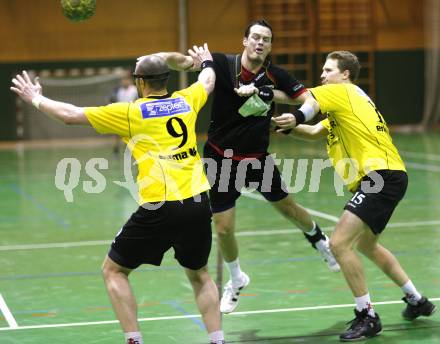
x: 416, y: 331
x: 328, y: 335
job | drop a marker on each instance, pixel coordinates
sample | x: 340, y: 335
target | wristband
x: 265, y: 93
x: 307, y: 111
x: 36, y: 101
x: 207, y: 64
x: 299, y: 116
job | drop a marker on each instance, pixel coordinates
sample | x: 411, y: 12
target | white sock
x: 313, y: 231
x: 133, y: 338
x: 216, y: 337
x: 364, y: 302
x: 411, y: 293
x: 235, y: 272
x: 321, y: 245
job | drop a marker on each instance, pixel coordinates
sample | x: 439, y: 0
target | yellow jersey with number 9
x: 358, y: 139
x: 160, y: 132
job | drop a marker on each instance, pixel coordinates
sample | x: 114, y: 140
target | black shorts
x: 375, y: 207
x: 226, y: 182
x: 148, y: 234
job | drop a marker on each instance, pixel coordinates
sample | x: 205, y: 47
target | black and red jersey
x: 228, y: 129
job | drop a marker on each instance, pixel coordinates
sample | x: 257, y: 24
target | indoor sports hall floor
x: 51, y: 252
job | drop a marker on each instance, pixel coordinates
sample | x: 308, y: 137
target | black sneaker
x: 362, y: 327
x: 222, y: 342
x: 424, y: 307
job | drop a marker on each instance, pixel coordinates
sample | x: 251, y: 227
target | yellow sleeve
x: 110, y: 119
x: 326, y: 124
x: 196, y: 94
x: 331, y: 98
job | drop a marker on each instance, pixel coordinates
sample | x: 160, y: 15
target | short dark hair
x: 157, y: 85
x: 262, y: 22
x: 346, y: 61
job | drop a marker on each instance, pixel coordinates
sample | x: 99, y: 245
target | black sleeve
x: 221, y: 68
x: 287, y: 83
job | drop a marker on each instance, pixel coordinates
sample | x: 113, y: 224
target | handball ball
x: 78, y: 10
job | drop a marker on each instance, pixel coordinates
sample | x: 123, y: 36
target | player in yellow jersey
x: 159, y: 129
x: 363, y: 154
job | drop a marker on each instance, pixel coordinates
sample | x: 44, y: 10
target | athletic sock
x: 314, y: 235
x: 364, y: 302
x: 216, y: 337
x: 133, y: 338
x: 313, y: 231
x: 235, y: 272
x: 411, y: 293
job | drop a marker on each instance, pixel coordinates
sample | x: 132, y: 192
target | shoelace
x: 405, y: 299
x: 354, y: 322
x: 231, y: 289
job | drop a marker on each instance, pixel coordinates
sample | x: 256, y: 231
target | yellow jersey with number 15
x: 358, y: 139
x: 160, y: 132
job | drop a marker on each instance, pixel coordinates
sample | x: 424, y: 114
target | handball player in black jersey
x: 236, y: 152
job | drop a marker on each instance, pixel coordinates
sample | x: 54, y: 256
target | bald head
x: 151, y: 65
x: 154, y: 72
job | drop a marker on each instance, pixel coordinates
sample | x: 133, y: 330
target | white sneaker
x: 323, y: 247
x: 230, y: 295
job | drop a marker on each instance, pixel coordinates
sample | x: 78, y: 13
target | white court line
x: 413, y: 224
x: 323, y: 215
x: 424, y: 167
x: 54, y: 245
x: 427, y: 156
x: 7, y: 314
x: 259, y: 232
x: 299, y: 309
x: 262, y: 311
x: 416, y: 166
x: 311, y: 211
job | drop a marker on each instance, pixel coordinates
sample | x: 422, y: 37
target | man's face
x: 331, y: 73
x: 259, y: 43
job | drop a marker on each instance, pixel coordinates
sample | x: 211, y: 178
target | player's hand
x: 199, y: 54
x: 246, y: 90
x: 284, y: 122
x: 25, y: 88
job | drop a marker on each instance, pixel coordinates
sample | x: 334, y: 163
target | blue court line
x: 32, y: 311
x: 176, y: 305
x: 49, y: 213
x: 272, y: 261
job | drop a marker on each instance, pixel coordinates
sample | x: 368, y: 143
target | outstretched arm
x: 281, y: 97
x: 31, y: 93
x: 310, y: 132
x: 305, y: 113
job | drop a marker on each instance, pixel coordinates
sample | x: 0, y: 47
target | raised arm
x: 178, y: 61
x: 305, y: 113
x: 281, y: 97
x: 202, y: 57
x: 31, y: 93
